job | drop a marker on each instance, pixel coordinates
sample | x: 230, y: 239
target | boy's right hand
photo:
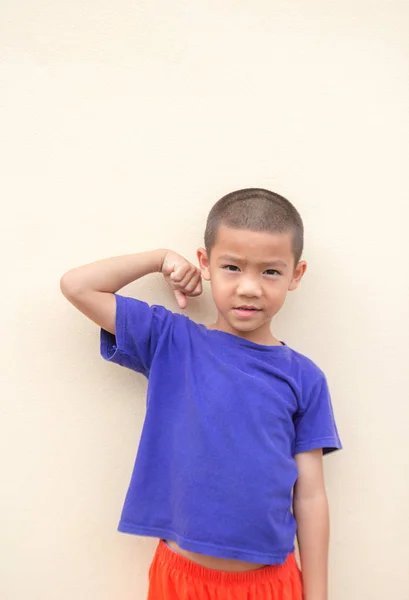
x: 183, y: 277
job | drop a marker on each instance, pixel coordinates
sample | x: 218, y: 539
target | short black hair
x: 256, y: 209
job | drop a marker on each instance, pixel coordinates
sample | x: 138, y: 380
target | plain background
x: 121, y: 124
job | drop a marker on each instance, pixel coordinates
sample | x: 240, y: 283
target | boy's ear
x: 204, y: 263
x: 297, y: 275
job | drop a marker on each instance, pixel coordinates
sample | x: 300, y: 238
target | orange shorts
x: 174, y: 577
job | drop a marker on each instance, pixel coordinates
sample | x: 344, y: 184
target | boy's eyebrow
x: 268, y: 263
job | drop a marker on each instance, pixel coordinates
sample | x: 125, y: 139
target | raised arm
x: 91, y: 288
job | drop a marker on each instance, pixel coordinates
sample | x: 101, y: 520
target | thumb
x: 180, y: 298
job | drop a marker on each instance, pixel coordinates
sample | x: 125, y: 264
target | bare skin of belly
x: 217, y: 564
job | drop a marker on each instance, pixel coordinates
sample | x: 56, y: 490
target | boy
x: 230, y: 457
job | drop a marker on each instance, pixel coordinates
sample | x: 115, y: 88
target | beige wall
x: 121, y: 124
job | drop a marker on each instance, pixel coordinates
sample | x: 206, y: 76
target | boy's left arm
x: 312, y: 517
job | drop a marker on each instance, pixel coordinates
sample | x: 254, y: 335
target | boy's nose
x: 249, y: 287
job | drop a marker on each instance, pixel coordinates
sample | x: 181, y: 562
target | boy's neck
x: 263, y: 336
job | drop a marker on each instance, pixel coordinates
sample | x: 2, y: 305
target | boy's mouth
x: 246, y: 311
x: 247, y: 307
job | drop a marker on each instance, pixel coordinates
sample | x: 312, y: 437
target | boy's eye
x: 231, y: 268
x: 272, y: 272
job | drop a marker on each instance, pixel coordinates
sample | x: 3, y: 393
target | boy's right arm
x: 91, y: 288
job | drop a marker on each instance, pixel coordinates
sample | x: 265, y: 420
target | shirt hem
x: 206, y: 548
x: 328, y: 444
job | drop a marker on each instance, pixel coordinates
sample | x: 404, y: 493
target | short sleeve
x: 139, y: 329
x: 314, y: 422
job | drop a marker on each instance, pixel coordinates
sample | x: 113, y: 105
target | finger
x: 198, y: 289
x: 185, y: 282
x: 180, y: 298
x: 192, y: 285
x: 180, y: 272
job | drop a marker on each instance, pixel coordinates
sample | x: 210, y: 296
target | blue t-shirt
x: 215, y: 467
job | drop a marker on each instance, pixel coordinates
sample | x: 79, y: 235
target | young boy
x: 230, y: 458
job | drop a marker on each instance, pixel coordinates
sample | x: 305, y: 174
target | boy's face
x: 250, y: 274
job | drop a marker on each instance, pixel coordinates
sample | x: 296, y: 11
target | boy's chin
x: 248, y: 328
